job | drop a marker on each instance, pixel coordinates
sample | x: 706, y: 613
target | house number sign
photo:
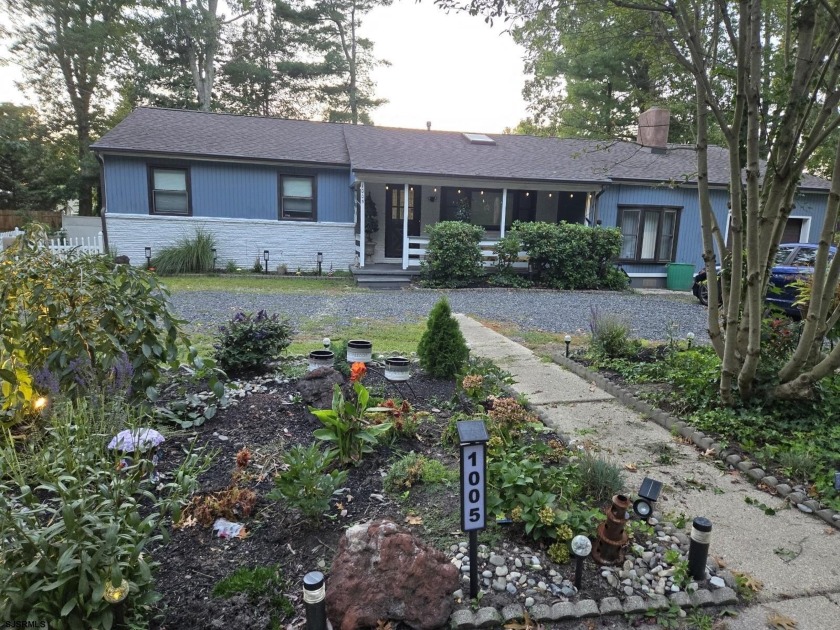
x: 472, y: 436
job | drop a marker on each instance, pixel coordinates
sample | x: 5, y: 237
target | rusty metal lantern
x: 612, y: 539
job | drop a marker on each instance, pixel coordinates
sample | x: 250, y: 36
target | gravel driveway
x: 649, y: 315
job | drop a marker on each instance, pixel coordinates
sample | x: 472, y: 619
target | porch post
x: 504, y: 213
x: 405, y: 227
x: 362, y: 213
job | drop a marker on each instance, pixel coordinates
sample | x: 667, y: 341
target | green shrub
x: 442, y: 349
x: 340, y: 364
x: 72, y: 523
x: 571, y: 255
x: 453, y: 257
x: 108, y: 327
x: 611, y: 336
x: 306, y: 484
x: 188, y: 255
x: 415, y: 468
x: 257, y: 583
x: 247, y: 343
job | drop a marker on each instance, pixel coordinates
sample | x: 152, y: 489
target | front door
x: 395, y: 205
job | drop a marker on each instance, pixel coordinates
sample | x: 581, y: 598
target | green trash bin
x: 680, y: 276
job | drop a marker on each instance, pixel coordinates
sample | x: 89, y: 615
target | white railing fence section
x: 62, y: 245
x: 417, y: 249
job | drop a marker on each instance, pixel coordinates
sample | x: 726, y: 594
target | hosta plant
x: 347, y: 427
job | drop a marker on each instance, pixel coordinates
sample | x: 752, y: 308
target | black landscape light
x: 690, y: 337
x: 148, y: 257
x: 265, y: 257
x: 213, y: 249
x: 568, y: 340
x: 320, y: 259
x: 648, y: 495
x: 581, y: 547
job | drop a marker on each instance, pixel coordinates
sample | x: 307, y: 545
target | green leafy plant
x: 247, y: 343
x: 453, y: 256
x: 256, y: 583
x: 507, y: 250
x: 559, y: 552
x: 190, y: 254
x: 109, y: 326
x: 415, y: 468
x: 442, y: 349
x: 75, y: 525
x: 231, y: 267
x: 307, y: 483
x: 346, y: 426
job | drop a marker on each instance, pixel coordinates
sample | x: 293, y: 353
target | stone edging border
x: 489, y: 617
x: 701, y: 441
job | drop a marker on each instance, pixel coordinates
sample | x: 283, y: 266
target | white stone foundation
x: 292, y: 243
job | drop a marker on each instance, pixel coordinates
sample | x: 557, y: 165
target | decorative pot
x: 397, y: 369
x: 321, y: 358
x: 359, y: 350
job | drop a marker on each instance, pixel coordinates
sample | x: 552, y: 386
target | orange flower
x: 357, y: 371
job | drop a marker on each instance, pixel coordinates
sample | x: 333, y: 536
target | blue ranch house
x: 297, y: 188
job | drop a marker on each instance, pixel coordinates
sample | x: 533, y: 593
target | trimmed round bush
x: 453, y: 258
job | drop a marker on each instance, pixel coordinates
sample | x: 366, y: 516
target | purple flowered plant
x: 46, y: 381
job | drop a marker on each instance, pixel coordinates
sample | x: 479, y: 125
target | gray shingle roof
x: 410, y: 151
x: 187, y: 132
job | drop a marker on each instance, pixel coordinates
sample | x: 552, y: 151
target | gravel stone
x: 564, y: 610
x: 529, y: 601
x: 501, y: 571
x: 702, y: 598
x: 462, y: 618
x: 587, y: 608
x: 512, y: 612
x: 724, y: 597
x: 497, y: 561
x: 611, y: 606
x: 634, y: 605
x: 717, y: 582
x: 541, y: 612
x: 553, y: 311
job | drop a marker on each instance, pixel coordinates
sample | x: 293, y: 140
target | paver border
x: 701, y: 441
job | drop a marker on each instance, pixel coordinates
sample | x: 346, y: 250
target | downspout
x: 104, y: 199
x: 595, y: 219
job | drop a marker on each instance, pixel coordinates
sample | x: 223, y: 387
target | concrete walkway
x: 794, y: 555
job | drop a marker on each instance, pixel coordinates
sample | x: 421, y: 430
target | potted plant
x: 371, y: 226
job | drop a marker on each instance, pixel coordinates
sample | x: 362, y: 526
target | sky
x: 450, y: 69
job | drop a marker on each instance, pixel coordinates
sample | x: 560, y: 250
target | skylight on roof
x: 479, y: 138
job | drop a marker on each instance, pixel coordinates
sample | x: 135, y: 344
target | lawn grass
x: 387, y: 336
x: 253, y: 283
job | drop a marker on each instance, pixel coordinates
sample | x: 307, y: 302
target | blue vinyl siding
x: 689, y: 237
x: 219, y: 190
x: 811, y: 205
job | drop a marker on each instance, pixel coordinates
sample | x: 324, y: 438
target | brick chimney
x: 653, y: 128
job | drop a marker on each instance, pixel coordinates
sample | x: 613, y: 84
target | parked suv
x: 793, y: 261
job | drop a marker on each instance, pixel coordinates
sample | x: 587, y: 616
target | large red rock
x: 383, y: 571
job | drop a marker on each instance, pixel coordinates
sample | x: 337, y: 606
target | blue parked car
x: 793, y: 261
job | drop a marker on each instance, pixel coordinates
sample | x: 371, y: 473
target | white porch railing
x: 417, y: 248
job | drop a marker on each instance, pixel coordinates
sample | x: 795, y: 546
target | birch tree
x: 767, y: 75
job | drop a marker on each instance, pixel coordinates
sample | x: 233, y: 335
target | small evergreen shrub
x: 247, y: 343
x: 306, y: 484
x: 453, y: 258
x: 189, y: 255
x: 442, y: 349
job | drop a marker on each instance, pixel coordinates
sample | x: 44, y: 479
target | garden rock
x: 382, y: 571
x: 316, y: 388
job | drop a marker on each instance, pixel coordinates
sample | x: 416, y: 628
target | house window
x: 479, y: 206
x: 648, y: 234
x: 297, y: 198
x: 170, y: 191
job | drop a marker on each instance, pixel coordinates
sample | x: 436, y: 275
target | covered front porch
x: 396, y: 234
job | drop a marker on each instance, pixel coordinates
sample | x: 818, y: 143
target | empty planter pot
x: 321, y: 358
x: 359, y: 350
x: 397, y: 369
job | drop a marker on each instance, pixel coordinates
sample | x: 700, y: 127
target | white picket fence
x: 60, y: 246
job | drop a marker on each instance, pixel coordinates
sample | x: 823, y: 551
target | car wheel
x: 703, y: 293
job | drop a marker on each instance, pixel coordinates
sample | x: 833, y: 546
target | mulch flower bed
x: 266, y: 420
